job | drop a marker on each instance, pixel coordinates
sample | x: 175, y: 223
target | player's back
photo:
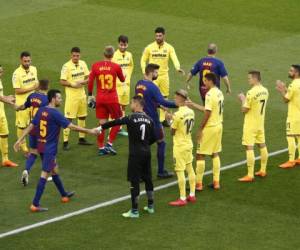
x: 141, y: 133
x: 183, y: 123
x: 214, y: 102
x: 106, y: 74
x: 34, y: 101
x: 147, y: 90
x: 256, y: 101
x: 294, y: 101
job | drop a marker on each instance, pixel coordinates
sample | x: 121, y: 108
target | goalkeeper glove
x: 91, y: 102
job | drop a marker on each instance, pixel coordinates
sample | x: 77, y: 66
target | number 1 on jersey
x: 143, y: 129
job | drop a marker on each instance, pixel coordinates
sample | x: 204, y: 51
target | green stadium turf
x: 255, y: 34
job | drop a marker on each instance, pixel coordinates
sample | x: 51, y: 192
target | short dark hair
x: 123, y: 39
x: 44, y: 84
x: 75, y: 49
x: 24, y: 54
x: 109, y: 51
x: 255, y: 74
x: 212, y: 77
x: 296, y: 67
x: 160, y: 30
x: 139, y: 99
x: 52, y: 94
x: 150, y: 68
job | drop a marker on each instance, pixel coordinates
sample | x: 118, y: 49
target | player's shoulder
x: 82, y: 63
x: 18, y: 70
x: 32, y: 69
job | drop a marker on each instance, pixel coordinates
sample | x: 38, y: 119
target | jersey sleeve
x: 290, y: 92
x: 131, y: 65
x: 16, y: 81
x: 120, y: 73
x: 64, y: 72
x: 208, y: 102
x: 160, y: 99
x: 86, y: 69
x: 195, y: 69
x: 222, y: 70
x: 175, y: 121
x: 61, y: 120
x: 174, y: 58
x: 121, y: 121
x: 152, y: 134
x: 144, y: 59
x: 35, y: 120
x: 248, y: 101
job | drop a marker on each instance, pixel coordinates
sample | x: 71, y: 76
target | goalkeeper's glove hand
x: 91, y: 102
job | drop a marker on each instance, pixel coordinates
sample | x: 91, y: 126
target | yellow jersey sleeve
x: 176, y: 120
x: 85, y: 69
x: 16, y: 80
x: 248, y: 100
x: 131, y: 65
x: 290, y: 92
x: 64, y: 72
x: 145, y: 58
x: 208, y: 102
x: 174, y: 58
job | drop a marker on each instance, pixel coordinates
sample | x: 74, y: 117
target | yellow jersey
x: 214, y: 102
x: 160, y: 54
x: 293, y: 95
x: 256, y: 102
x: 24, y: 79
x: 2, y: 112
x: 125, y: 60
x: 183, y: 122
x: 72, y: 73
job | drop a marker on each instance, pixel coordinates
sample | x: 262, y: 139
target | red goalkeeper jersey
x: 106, y: 73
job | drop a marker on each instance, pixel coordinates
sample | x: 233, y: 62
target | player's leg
x: 65, y: 196
x: 216, y: 171
x: 115, y: 113
x: 164, y: 86
x: 22, y: 121
x: 260, y: 141
x: 179, y: 159
x: 124, y: 95
x: 297, y: 161
x: 145, y: 163
x: 161, y: 151
x: 192, y: 179
x: 200, y: 168
x: 291, y: 140
x: 102, y: 115
x: 81, y: 121
x: 250, y: 158
x: 133, y: 176
x: 4, y: 143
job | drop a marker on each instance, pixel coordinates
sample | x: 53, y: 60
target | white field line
x: 117, y: 200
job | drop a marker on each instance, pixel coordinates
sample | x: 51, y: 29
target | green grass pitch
x: 255, y: 34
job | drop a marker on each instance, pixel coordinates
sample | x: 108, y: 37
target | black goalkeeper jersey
x: 141, y: 132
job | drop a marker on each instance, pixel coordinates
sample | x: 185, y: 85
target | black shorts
x: 139, y: 167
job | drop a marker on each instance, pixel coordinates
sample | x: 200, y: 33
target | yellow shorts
x: 163, y: 84
x: 293, y: 128
x: 3, y: 126
x: 182, y: 157
x: 23, y: 118
x: 75, y: 108
x: 123, y: 94
x: 211, y: 141
x: 253, y: 136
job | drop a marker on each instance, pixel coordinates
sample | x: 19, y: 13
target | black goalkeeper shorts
x: 139, y: 167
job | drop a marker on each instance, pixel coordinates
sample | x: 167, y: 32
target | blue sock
x: 59, y: 185
x: 161, y: 147
x: 30, y: 161
x: 39, y: 191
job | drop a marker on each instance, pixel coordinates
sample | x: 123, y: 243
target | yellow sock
x: 4, y: 148
x: 200, y: 171
x: 192, y: 178
x: 263, y: 159
x: 81, y: 123
x: 23, y: 145
x: 298, y: 141
x: 216, y: 168
x: 181, y: 184
x: 292, y: 147
x: 250, y: 162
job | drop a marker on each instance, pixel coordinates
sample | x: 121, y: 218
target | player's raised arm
x: 121, y: 121
x: 161, y: 100
x: 144, y: 59
x: 285, y: 92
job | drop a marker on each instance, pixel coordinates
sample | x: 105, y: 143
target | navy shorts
x: 33, y: 141
x: 159, y: 131
x: 48, y: 162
